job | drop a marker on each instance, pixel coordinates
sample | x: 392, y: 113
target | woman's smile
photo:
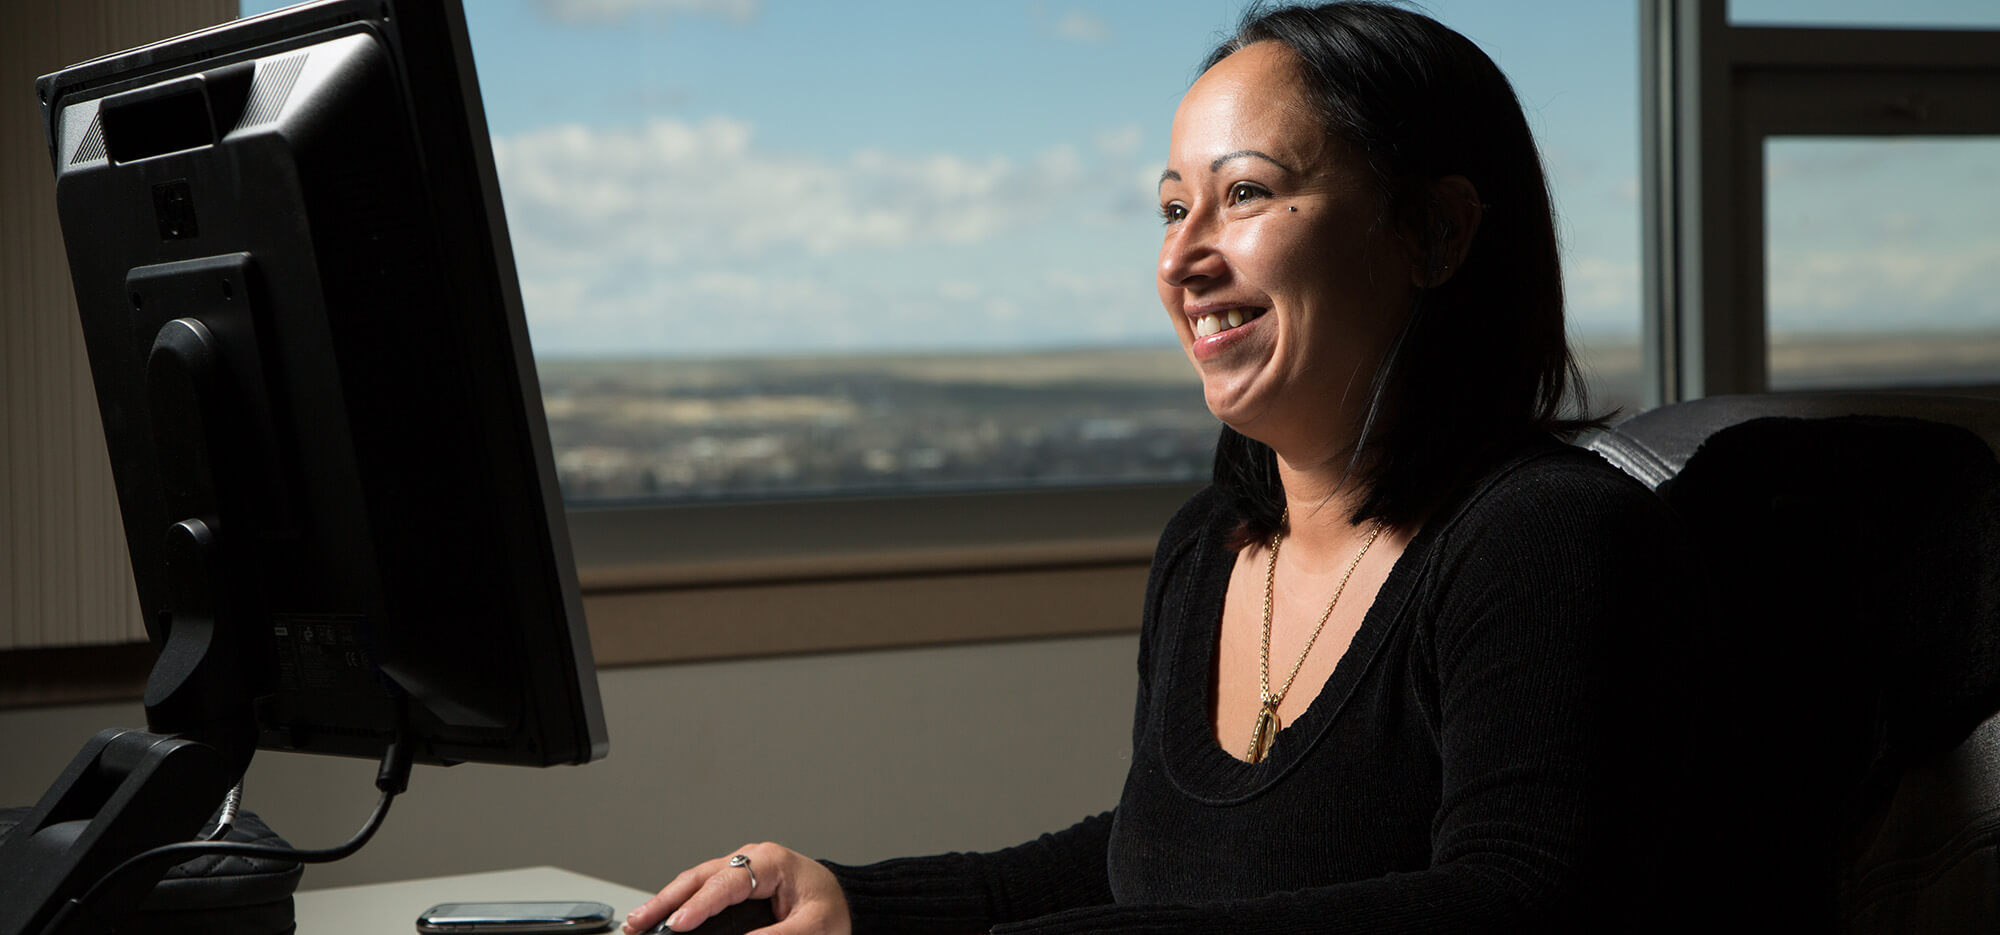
x: 1217, y: 330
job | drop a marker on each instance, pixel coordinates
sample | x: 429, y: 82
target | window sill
x: 668, y: 584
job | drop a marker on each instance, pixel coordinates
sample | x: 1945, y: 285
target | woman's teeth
x: 1216, y: 324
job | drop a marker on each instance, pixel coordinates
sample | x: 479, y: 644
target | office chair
x: 1850, y: 751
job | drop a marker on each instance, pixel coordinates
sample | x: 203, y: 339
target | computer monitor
x: 306, y: 337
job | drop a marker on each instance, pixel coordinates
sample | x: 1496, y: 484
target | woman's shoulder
x: 1197, y: 513
x: 1555, y: 489
x: 1200, y: 515
x: 1558, y: 534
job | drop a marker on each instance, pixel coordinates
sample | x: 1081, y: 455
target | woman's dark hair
x: 1482, y: 361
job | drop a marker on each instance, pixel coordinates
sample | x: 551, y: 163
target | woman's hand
x: 804, y: 895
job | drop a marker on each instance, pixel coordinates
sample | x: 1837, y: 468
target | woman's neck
x: 1321, y: 500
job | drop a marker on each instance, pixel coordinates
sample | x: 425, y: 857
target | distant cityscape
x: 669, y: 429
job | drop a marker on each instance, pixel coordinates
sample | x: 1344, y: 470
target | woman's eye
x: 1173, y: 211
x: 1244, y: 191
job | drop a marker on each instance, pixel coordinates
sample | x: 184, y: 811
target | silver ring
x: 744, y: 862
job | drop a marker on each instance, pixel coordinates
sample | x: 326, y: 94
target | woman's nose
x: 1189, y: 253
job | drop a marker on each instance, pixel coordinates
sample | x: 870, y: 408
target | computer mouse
x: 746, y: 916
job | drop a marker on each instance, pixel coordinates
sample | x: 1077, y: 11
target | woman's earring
x: 1295, y: 209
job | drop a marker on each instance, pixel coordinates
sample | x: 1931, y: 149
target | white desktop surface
x: 392, y: 908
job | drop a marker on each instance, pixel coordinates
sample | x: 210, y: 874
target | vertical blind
x: 65, y: 579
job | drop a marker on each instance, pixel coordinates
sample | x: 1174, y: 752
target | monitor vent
x: 92, y: 147
x: 273, y: 84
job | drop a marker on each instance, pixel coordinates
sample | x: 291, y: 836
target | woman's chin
x: 1231, y: 405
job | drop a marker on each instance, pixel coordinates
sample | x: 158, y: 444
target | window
x: 1860, y: 136
x: 1933, y: 14
x: 783, y: 249
x: 1883, y: 261
x: 821, y: 291
x: 794, y: 249
x: 1580, y: 89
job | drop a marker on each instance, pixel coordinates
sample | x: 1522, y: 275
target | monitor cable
x: 227, y: 818
x: 391, y: 778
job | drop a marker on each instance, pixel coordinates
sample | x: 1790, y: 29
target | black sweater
x: 1496, y: 751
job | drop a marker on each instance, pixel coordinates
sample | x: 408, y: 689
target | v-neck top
x: 1481, y: 758
x: 1187, y: 681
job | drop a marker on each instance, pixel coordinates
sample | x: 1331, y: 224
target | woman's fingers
x: 803, y: 893
x: 729, y: 884
x: 711, y: 886
x: 670, y: 897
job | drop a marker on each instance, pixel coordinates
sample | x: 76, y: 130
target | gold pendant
x: 1267, y: 731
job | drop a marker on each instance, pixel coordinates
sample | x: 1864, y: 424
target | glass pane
x: 1926, y: 14
x: 779, y: 248
x: 1883, y: 261
x: 1580, y: 88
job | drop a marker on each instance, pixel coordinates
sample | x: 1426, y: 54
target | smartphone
x: 520, y: 918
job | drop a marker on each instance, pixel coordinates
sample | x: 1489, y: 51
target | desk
x: 392, y: 908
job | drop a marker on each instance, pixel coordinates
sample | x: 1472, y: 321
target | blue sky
x: 713, y: 177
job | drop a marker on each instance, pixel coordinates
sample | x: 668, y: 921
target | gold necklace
x: 1267, y: 714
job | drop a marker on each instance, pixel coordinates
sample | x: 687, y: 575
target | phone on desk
x: 536, y: 917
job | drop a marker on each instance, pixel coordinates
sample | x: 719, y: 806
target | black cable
x: 392, y: 778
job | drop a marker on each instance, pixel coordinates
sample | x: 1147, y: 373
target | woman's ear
x: 1450, y: 221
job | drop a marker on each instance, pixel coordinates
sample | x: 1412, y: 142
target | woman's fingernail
x: 673, y: 920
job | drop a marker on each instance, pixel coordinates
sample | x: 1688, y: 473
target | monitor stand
x: 129, y: 791
x: 126, y: 792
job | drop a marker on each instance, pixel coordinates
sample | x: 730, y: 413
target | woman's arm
x: 952, y: 894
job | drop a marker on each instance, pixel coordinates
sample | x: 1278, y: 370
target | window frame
x: 1711, y: 94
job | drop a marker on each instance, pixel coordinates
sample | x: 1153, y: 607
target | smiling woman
x: 1438, y: 635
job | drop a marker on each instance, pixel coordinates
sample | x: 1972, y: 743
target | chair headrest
x: 1853, y: 539
x: 1654, y: 446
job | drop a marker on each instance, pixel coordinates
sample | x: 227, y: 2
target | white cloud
x: 1883, y: 288
x: 1601, y: 295
x: 678, y: 194
x: 1789, y: 161
x: 688, y: 237
x: 613, y: 11
x: 1879, y: 287
x: 1078, y: 26
x: 732, y: 312
x: 1122, y: 142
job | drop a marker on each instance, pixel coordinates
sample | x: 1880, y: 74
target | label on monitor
x: 323, y: 652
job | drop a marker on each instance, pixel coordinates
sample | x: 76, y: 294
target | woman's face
x: 1279, y: 269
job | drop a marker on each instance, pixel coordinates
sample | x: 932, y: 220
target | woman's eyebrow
x: 1216, y: 166
x: 1225, y: 157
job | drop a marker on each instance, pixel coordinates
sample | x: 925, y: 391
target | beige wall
x: 852, y: 756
